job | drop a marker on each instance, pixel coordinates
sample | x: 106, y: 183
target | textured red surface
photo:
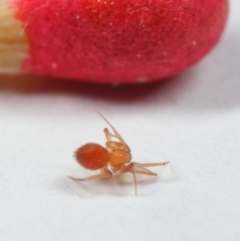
x: 124, y: 41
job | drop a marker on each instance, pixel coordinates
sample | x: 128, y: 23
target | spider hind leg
x: 105, y: 173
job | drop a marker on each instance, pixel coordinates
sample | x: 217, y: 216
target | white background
x: 192, y: 120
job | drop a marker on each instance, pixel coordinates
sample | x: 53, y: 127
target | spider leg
x: 105, y: 173
x: 139, y: 168
x: 144, y: 171
x: 153, y: 164
x: 134, y: 172
x: 108, y: 134
x: 117, y: 135
x: 135, y: 181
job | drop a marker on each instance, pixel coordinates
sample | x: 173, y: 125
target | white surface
x: 193, y: 121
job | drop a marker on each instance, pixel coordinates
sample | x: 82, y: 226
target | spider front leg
x: 130, y: 168
x: 108, y: 134
x: 140, y: 168
x: 115, y: 145
x: 105, y: 173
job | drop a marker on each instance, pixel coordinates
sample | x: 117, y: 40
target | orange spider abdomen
x: 92, y: 156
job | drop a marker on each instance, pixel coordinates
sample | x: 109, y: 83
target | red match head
x: 118, y: 41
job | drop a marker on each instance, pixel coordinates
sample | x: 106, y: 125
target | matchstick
x: 13, y: 41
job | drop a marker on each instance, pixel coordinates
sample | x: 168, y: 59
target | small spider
x: 115, y: 158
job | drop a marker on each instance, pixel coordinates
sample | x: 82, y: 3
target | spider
x: 115, y: 158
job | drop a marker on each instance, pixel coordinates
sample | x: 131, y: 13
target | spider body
x: 92, y: 156
x: 114, y: 158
